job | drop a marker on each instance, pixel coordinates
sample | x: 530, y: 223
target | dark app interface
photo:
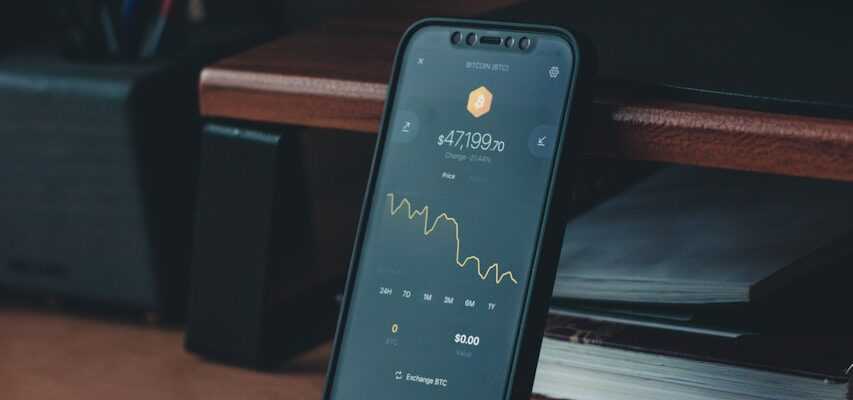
x: 454, y: 220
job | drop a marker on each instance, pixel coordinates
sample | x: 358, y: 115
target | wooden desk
x: 335, y: 77
x: 50, y: 355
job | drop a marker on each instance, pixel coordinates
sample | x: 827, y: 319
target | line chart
x: 428, y: 229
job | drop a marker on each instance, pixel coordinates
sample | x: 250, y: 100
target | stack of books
x: 697, y: 283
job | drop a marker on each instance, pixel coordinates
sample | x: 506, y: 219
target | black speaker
x: 271, y: 250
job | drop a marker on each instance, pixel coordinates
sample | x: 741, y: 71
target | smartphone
x: 461, y: 228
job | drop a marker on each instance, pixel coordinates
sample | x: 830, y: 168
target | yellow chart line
x: 428, y: 229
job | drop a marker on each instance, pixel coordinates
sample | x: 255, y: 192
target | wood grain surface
x: 49, y: 355
x: 335, y: 77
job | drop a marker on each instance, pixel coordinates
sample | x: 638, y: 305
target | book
x: 583, y: 359
x: 691, y: 235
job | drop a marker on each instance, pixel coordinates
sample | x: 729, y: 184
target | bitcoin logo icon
x: 479, y: 101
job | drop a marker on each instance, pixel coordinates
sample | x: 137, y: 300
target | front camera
x: 471, y: 39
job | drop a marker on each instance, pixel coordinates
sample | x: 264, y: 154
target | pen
x: 128, y: 14
x: 109, y: 29
x: 152, y: 43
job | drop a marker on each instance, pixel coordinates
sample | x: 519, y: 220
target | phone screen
x: 449, y: 241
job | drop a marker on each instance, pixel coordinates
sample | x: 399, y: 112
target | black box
x: 276, y: 218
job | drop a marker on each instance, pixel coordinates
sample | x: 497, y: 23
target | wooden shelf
x: 335, y: 77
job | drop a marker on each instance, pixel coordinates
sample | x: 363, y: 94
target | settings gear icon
x: 554, y: 72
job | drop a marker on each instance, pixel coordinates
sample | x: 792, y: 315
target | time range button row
x: 429, y: 298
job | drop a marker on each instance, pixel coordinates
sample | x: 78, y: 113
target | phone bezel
x: 539, y: 287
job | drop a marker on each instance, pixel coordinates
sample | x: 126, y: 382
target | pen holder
x: 97, y: 164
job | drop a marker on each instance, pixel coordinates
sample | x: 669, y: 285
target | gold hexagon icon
x: 479, y: 101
